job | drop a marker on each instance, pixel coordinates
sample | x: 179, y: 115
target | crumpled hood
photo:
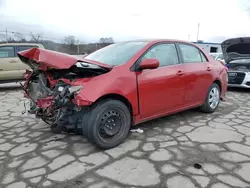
x: 52, y: 59
x: 236, y: 48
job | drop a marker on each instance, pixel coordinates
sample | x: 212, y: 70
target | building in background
x: 209, y: 47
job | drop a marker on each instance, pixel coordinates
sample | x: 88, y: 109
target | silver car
x: 236, y: 52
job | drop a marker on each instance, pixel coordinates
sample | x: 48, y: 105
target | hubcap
x: 214, y: 98
x: 110, y: 123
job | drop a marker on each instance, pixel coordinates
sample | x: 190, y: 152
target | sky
x: 123, y: 20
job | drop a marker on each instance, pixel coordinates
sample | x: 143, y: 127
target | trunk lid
x: 236, y: 48
x: 43, y: 59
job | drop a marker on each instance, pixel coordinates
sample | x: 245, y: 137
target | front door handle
x: 180, y: 73
x: 12, y: 61
x: 209, y: 68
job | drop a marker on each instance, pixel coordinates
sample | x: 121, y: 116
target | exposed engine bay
x: 242, y: 65
x: 51, y: 97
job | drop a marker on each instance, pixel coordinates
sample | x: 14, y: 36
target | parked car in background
x: 237, y: 57
x: 121, y: 85
x: 218, y: 56
x: 11, y: 67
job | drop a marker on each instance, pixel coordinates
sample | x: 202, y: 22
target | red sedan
x: 123, y: 84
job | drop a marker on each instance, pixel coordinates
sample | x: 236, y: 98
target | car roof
x: 159, y: 40
x: 21, y: 44
x: 155, y: 41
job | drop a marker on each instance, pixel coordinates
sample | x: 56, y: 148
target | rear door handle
x: 180, y: 73
x: 12, y: 61
x: 209, y: 68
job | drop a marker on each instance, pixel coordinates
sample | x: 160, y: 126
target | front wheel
x: 107, y: 123
x: 56, y: 129
x: 212, y: 99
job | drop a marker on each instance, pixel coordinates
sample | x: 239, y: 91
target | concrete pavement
x: 163, y: 156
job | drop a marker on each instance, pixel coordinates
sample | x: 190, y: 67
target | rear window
x: 7, y: 51
x: 190, y: 54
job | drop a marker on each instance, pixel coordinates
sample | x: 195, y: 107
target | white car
x: 236, y: 52
x: 218, y: 56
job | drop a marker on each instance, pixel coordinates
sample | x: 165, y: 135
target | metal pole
x: 198, y: 31
x: 6, y: 35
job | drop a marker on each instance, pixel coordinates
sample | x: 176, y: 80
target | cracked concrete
x: 162, y: 156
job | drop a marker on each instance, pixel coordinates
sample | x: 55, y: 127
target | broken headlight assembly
x: 71, y: 89
x: 75, y: 89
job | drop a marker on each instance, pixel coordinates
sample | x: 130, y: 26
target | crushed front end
x: 52, y: 103
x: 52, y: 90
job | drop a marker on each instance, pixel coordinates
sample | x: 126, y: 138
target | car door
x: 23, y: 67
x: 198, y: 77
x: 9, y: 69
x: 161, y: 90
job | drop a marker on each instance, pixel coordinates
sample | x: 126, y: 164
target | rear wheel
x: 212, y: 99
x: 107, y: 123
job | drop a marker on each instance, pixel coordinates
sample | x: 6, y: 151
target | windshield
x: 217, y: 56
x: 116, y: 54
x: 220, y: 57
x: 214, y: 55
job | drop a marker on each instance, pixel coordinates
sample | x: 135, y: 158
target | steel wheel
x: 110, y: 124
x: 214, y: 98
x: 107, y: 123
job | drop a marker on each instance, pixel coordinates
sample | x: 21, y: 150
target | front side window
x: 22, y: 48
x: 7, y: 51
x: 116, y: 54
x: 165, y: 53
x: 190, y: 54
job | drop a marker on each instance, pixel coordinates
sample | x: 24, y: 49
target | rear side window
x: 22, y: 48
x: 165, y: 53
x: 190, y: 54
x: 203, y: 57
x: 7, y: 51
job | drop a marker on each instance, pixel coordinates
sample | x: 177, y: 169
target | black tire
x: 206, y: 107
x: 56, y: 129
x: 97, y: 125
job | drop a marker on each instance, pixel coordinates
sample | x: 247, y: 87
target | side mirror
x: 150, y: 63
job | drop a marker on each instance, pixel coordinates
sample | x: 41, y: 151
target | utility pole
x: 6, y: 35
x: 198, y: 31
x: 78, y: 48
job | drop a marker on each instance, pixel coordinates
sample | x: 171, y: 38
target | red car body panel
x: 150, y: 93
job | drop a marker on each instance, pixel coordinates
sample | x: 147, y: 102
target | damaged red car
x: 105, y: 93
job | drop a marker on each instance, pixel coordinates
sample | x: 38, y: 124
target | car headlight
x: 75, y: 89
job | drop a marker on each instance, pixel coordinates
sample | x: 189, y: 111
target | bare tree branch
x: 2, y: 38
x: 19, y: 37
x: 35, y: 37
x: 69, y: 40
x: 108, y: 40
